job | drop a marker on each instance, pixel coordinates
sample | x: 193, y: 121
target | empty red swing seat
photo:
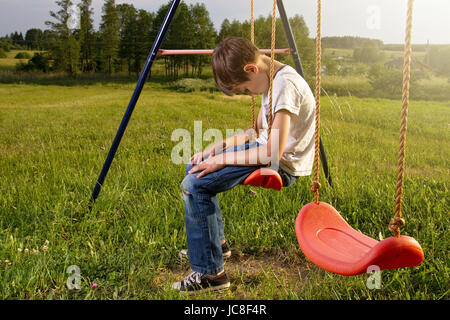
x: 328, y: 241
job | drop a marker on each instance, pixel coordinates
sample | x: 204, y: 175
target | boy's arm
x: 213, y: 149
x: 263, y: 154
x: 259, y: 120
x: 237, y: 139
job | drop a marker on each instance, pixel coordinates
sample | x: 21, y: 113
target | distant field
x: 388, y: 54
x: 54, y: 140
x: 9, y: 63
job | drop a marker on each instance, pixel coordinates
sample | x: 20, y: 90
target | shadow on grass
x: 183, y: 83
x: 64, y: 79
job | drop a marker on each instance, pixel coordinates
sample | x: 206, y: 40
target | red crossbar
x: 165, y: 52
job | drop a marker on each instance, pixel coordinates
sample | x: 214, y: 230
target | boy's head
x: 234, y: 64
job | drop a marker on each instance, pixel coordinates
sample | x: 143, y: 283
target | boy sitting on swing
x: 239, y: 67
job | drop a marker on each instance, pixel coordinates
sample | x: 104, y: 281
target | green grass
x: 51, y: 153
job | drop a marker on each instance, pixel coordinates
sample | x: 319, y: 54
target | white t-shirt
x: 292, y: 93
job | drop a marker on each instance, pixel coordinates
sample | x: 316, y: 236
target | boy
x: 238, y: 67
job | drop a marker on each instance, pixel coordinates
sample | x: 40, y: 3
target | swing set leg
x: 133, y: 101
x: 323, y: 158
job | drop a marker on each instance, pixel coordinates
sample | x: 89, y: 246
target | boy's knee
x: 189, y: 166
x: 192, y: 184
x: 189, y: 184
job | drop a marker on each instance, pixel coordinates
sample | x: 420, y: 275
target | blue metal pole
x: 134, y: 99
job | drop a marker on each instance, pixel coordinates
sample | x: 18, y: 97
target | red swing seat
x: 265, y: 178
x: 330, y: 242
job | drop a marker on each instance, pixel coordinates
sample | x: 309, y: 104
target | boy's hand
x: 213, y: 163
x: 198, y: 157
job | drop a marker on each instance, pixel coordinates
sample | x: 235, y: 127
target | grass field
x: 54, y: 140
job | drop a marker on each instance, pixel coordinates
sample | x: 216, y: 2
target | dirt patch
x: 250, y: 274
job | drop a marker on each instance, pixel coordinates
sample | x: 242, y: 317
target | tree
x: 135, y: 28
x: 179, y: 35
x: 98, y: 52
x: 4, y: 47
x: 128, y: 32
x: 387, y: 82
x: 144, y: 25
x: 40, y: 61
x: 367, y: 54
x: 33, y: 38
x: 203, y: 34
x: 65, y: 50
x: 439, y: 59
x: 5, y: 44
x: 17, y: 38
x: 86, y: 35
x: 350, y: 42
x: 48, y: 39
x: 305, y: 45
x: 331, y: 66
x: 109, y: 29
x: 225, y: 30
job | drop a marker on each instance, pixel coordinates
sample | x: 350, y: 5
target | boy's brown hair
x: 228, y: 61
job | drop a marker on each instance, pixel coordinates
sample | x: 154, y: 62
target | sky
x: 378, y: 19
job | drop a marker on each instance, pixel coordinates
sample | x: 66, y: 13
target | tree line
x: 126, y: 34
x: 121, y: 43
x: 350, y: 42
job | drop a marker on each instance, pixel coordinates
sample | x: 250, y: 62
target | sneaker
x: 226, y: 252
x: 198, y: 282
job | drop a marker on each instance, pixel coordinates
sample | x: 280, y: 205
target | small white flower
x: 44, y: 248
x: 19, y: 249
x: 26, y: 250
x: 46, y: 242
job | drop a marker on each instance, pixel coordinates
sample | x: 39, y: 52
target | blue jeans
x: 203, y: 219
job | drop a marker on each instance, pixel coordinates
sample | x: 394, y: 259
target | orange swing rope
x: 252, y: 37
x: 315, y: 185
x: 272, y: 58
x: 398, y: 221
